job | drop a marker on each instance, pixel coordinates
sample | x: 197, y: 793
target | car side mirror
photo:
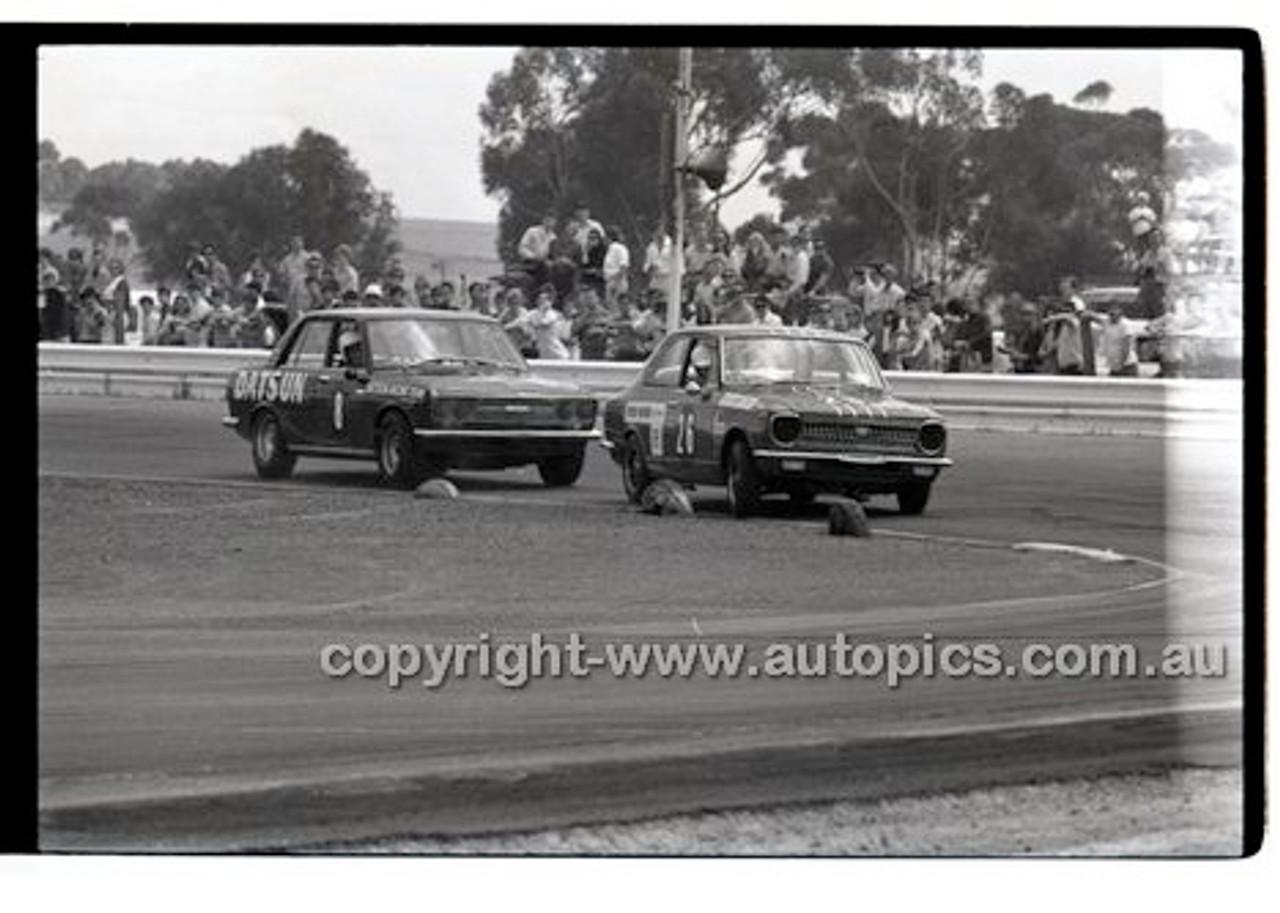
x: 357, y: 374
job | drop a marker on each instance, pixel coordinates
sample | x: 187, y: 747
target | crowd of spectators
x: 575, y: 291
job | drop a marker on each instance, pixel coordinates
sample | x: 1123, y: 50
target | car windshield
x: 452, y: 344
x: 774, y: 360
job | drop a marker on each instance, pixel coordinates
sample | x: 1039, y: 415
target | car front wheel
x: 562, y: 471
x: 272, y: 457
x: 741, y: 480
x: 635, y: 471
x: 399, y: 463
x: 913, y: 497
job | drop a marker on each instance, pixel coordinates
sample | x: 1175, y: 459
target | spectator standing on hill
x: 920, y: 348
x: 94, y: 320
x: 551, y: 331
x: 344, y: 272
x: 196, y: 267
x: 257, y: 275
x: 172, y: 330
x: 444, y: 297
x: 219, y: 274
x: 75, y: 274
x: 54, y: 312
x: 1117, y: 344
x: 421, y: 291
x: 975, y: 337
x: 373, y: 296
x: 149, y: 320
x: 821, y: 270
x: 304, y: 291
x: 397, y: 296
x: 98, y: 274
x: 534, y: 249
x: 513, y: 317
x: 881, y: 292
x: 756, y: 257
x: 616, y: 267
x: 478, y: 299
x: 578, y: 231
x: 1062, y: 340
x: 254, y: 330
x: 797, y: 263
x: 657, y: 259
x: 293, y: 265
x: 119, y: 302
x: 885, y: 343
x: 1024, y: 337
x: 223, y: 320
x: 1069, y: 286
x: 591, y: 273
x: 591, y: 325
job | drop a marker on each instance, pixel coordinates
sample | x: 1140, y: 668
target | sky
x: 409, y: 115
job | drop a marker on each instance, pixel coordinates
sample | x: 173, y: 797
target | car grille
x: 501, y: 414
x: 860, y: 436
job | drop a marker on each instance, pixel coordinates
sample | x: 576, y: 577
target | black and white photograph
x: 821, y: 443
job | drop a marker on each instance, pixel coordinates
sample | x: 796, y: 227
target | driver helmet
x: 348, y: 340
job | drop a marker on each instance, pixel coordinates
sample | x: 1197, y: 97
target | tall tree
x: 886, y: 162
x: 1057, y: 185
x: 565, y: 125
x: 312, y: 188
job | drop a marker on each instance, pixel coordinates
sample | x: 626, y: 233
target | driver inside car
x: 350, y: 350
x: 701, y: 364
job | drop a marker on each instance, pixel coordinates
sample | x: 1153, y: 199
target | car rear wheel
x: 741, y: 481
x: 913, y: 497
x: 562, y: 471
x: 635, y: 470
x: 399, y: 462
x: 272, y: 457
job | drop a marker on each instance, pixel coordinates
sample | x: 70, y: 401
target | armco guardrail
x: 1081, y: 405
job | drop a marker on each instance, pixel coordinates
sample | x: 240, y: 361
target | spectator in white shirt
x: 534, y: 248
x: 617, y: 264
x: 657, y: 259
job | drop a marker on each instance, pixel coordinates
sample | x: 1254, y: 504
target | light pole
x: 683, y: 87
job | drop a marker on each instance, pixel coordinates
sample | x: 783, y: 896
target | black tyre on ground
x: 741, y: 481
x: 635, y: 471
x: 271, y: 455
x: 562, y: 471
x: 400, y: 463
x: 913, y: 497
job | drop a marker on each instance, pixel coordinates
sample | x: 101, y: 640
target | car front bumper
x: 871, y: 472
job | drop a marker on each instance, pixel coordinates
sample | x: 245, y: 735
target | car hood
x: 837, y: 402
x: 488, y: 385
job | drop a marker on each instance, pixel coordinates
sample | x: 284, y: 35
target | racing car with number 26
x: 772, y: 409
x: 417, y: 391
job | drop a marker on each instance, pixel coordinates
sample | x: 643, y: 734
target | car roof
x: 387, y: 313
x: 755, y: 330
x: 1120, y: 292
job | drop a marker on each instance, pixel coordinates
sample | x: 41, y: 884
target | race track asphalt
x: 183, y: 605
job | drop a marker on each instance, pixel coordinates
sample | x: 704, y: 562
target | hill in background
x: 436, y: 248
x: 443, y: 249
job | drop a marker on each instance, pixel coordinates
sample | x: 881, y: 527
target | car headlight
x: 933, y: 438
x: 785, y: 428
